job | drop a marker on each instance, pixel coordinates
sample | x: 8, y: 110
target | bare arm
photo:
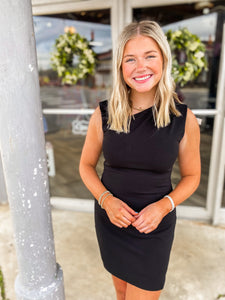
x: 90, y: 155
x: 119, y: 213
x: 189, y: 161
x: 190, y: 170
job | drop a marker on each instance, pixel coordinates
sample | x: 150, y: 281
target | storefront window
x: 65, y: 133
x: 200, y: 93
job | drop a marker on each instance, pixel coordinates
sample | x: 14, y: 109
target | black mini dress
x: 137, y: 170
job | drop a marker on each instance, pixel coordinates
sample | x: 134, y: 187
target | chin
x: 143, y: 90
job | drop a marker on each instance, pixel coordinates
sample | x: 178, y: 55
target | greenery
x: 220, y: 296
x: 2, y: 286
x: 188, y: 55
x: 73, y: 58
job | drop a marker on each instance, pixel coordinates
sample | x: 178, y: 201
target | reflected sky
x: 204, y: 26
x: 48, y: 29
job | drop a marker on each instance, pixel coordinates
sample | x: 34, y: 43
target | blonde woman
x: 141, y: 130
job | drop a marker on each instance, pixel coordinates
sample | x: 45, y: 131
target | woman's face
x: 142, y: 64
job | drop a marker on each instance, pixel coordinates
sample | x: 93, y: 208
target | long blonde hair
x: 119, y: 107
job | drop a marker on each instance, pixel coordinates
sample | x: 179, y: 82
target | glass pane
x: 67, y: 149
x: 65, y: 134
x: 199, y: 197
x: 87, y: 92
x: 207, y: 23
x: 200, y: 93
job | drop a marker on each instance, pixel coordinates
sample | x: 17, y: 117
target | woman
x: 142, y: 129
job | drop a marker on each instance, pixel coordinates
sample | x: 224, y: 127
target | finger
x: 117, y: 224
x: 138, y: 221
x: 124, y: 224
x: 142, y: 211
x: 146, y: 230
x: 129, y: 217
x: 125, y: 220
x: 130, y: 210
x: 121, y: 222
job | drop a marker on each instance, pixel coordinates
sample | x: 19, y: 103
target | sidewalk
x: 196, y: 270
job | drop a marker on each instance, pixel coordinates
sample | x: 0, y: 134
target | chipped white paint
x: 3, y: 192
x: 29, y: 204
x: 22, y: 145
x: 31, y: 68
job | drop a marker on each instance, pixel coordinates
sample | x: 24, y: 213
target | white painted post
x: 3, y: 194
x: 22, y: 147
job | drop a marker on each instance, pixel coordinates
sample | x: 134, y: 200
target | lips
x: 143, y: 78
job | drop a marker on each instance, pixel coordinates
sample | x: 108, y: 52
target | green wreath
x: 71, y: 46
x: 188, y: 55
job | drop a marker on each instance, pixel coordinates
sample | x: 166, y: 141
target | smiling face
x: 142, y: 65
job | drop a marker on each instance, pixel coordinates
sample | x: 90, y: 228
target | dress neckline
x: 141, y: 112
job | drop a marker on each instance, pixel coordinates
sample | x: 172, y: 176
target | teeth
x: 142, y: 78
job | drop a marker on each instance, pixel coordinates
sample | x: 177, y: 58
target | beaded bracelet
x: 102, y: 199
x: 109, y: 194
x: 171, y: 201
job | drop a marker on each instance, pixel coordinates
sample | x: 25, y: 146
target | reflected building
x: 100, y: 22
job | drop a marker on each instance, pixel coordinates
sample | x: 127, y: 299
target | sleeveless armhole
x: 104, y: 113
x: 181, y: 121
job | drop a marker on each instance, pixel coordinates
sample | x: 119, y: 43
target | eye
x: 129, y: 60
x: 150, y: 56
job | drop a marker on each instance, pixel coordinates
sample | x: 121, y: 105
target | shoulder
x: 101, y: 109
x: 95, y: 125
x: 182, y: 108
x: 96, y: 119
x: 103, y: 105
x: 191, y: 130
x: 186, y: 123
x: 191, y: 121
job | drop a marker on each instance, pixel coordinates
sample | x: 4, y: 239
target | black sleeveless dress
x: 137, y: 170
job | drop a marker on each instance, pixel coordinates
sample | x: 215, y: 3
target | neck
x: 142, y: 101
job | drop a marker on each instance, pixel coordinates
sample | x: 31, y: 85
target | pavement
x: 196, y: 270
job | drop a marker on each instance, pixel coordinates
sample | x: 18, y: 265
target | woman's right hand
x: 119, y: 213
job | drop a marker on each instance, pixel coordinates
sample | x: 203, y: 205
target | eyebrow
x: 147, y: 52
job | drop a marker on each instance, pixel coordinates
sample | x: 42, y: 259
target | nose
x: 140, y: 64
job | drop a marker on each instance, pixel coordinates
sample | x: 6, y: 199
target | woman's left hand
x: 150, y: 217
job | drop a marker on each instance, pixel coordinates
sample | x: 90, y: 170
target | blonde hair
x: 119, y: 106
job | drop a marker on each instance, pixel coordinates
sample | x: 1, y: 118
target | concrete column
x: 3, y: 194
x: 22, y: 147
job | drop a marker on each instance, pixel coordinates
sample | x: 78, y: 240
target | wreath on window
x: 73, y: 58
x: 188, y: 55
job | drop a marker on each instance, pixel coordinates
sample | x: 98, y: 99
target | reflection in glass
x: 201, y: 93
x: 87, y: 92
x: 199, y: 197
x: 67, y: 149
x: 65, y: 134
